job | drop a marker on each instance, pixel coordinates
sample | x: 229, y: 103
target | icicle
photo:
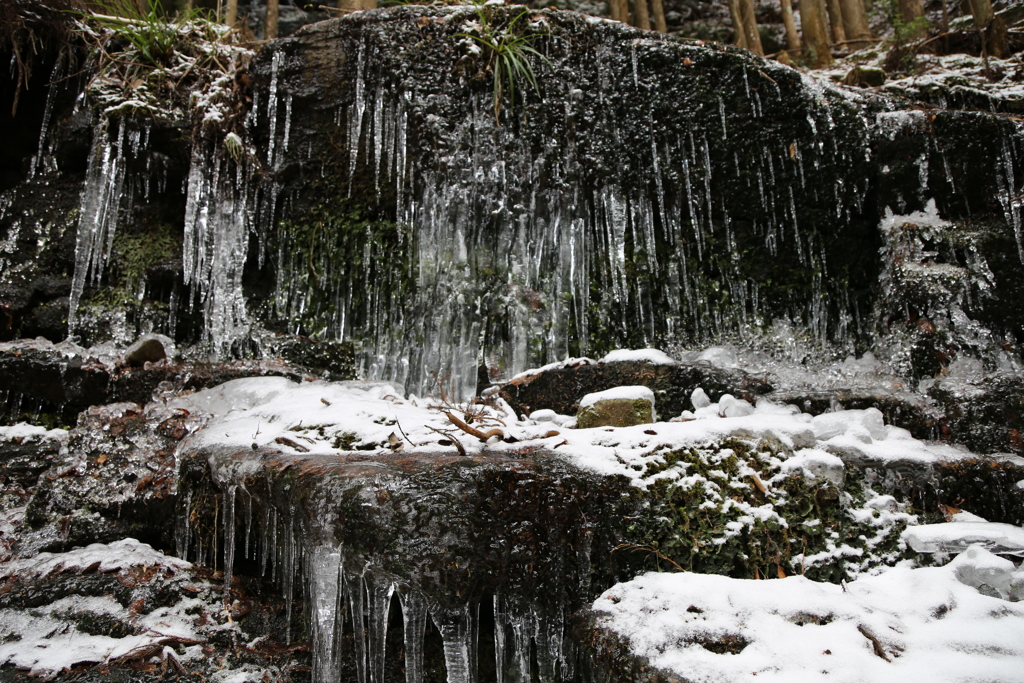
x: 458, y: 634
x: 355, y: 595
x: 42, y: 154
x: 229, y: 535
x: 324, y: 570
x: 380, y: 590
x: 414, y: 617
x: 102, y: 199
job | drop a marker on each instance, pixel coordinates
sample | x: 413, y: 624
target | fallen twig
x: 455, y: 442
x: 651, y: 550
x: 875, y: 644
x: 285, y: 441
x: 472, y: 431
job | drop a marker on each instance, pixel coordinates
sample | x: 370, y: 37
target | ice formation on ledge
x: 953, y: 537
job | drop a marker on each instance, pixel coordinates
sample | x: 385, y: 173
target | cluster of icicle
x: 552, y: 241
x: 348, y: 603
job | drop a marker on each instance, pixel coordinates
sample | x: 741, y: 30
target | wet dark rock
x: 39, y: 380
x: 116, y: 479
x: 25, y: 453
x: 561, y: 389
x: 331, y: 360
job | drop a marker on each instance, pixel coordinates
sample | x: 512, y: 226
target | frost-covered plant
x: 730, y: 508
x: 509, y: 52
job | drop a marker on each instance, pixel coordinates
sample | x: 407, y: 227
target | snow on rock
x: 699, y: 399
x: 653, y: 356
x: 27, y: 432
x: 627, y: 393
x: 858, y: 423
x: 816, y: 464
x: 60, y: 631
x: 989, y: 573
x: 557, y: 365
x: 911, y: 625
x: 954, y: 537
x: 99, y: 557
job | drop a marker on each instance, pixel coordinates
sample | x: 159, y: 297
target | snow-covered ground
x: 909, y: 625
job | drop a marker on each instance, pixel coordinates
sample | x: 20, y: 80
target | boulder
x: 617, y: 407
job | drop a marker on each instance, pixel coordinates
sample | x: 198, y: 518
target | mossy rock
x: 616, y: 412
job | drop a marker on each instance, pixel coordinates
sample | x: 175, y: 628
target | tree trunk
x: 232, y: 13
x: 624, y: 11
x: 855, y: 22
x: 643, y: 19
x: 619, y: 10
x: 912, y: 17
x: 835, y: 21
x: 991, y: 27
x: 270, y: 31
x: 753, y: 36
x: 792, y: 36
x: 737, y: 23
x: 658, y: 12
x: 817, y: 47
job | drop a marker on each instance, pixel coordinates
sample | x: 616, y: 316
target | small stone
x: 699, y: 399
x: 865, y: 77
x: 618, y: 407
x: 147, y: 349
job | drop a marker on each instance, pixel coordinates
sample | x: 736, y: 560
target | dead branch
x: 651, y: 550
x: 285, y: 441
x: 472, y: 431
x: 455, y: 442
x: 875, y: 644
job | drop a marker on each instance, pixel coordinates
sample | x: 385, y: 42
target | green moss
x: 344, y: 268
x: 712, y: 517
x: 132, y: 255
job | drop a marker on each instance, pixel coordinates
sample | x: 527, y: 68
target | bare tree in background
x: 619, y: 10
x: 855, y: 22
x: 914, y: 25
x: 643, y: 18
x: 817, y: 47
x: 835, y: 21
x: 356, y: 5
x: 744, y: 24
x: 658, y: 12
x: 231, y: 14
x: 270, y: 28
x: 792, y: 36
x: 991, y: 28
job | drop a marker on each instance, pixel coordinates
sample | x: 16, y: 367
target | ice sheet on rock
x: 103, y: 557
x: 557, y: 365
x: 953, y: 537
x: 978, y: 568
x: 709, y: 628
x: 653, y: 356
x: 869, y: 421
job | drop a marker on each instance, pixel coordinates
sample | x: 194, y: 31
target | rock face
x: 356, y: 202
x: 667, y: 193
